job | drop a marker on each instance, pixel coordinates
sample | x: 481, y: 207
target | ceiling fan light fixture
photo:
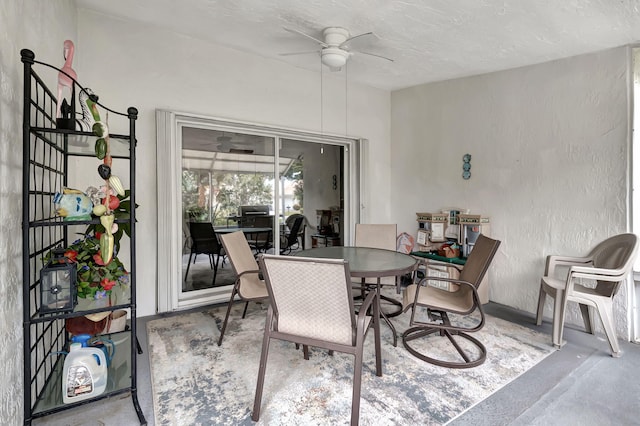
x: 334, y: 57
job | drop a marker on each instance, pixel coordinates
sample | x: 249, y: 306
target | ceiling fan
x: 335, y: 50
x: 226, y: 144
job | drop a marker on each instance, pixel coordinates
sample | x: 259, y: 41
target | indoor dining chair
x: 607, y: 266
x: 248, y: 285
x: 311, y: 305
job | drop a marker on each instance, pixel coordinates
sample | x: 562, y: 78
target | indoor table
x: 365, y: 262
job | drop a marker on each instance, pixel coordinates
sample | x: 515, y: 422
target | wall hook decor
x: 466, y: 166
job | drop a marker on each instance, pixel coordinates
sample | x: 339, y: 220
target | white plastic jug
x: 84, y: 373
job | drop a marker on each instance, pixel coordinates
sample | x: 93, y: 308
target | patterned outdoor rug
x: 195, y: 382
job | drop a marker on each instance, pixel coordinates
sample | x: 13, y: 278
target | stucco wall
x: 549, y: 146
x: 41, y: 27
x: 146, y: 67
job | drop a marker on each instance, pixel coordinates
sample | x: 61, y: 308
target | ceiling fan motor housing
x: 335, y: 36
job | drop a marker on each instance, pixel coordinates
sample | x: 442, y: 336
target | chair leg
x: 541, y: 299
x: 417, y: 332
x: 305, y: 350
x: 244, y: 312
x: 605, y: 310
x: 215, y: 271
x: 587, y: 318
x: 357, y: 384
x: 226, y: 318
x: 376, y: 338
x: 261, y: 372
x: 558, y: 318
x: 188, y: 265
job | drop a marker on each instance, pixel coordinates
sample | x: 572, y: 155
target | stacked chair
x: 607, y: 266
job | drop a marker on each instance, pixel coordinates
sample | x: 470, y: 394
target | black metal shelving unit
x: 48, y: 156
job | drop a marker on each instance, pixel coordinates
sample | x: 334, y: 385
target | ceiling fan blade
x: 373, y: 54
x: 354, y: 37
x: 299, y: 53
x: 291, y: 30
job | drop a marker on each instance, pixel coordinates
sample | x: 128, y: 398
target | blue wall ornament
x: 466, y: 166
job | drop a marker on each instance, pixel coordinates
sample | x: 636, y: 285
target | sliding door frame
x: 169, y: 126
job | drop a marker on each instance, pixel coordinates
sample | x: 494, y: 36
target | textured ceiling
x: 430, y: 40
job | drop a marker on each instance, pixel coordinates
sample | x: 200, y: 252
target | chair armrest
x: 554, y: 261
x: 253, y: 271
x: 362, y: 313
x: 601, y: 274
x: 476, y: 299
x: 451, y: 280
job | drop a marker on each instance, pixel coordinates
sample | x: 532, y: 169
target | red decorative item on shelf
x: 449, y: 250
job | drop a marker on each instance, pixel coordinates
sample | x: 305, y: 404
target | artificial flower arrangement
x: 95, y: 279
x: 98, y: 268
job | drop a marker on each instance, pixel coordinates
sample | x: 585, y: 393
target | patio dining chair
x: 290, y: 240
x: 607, y: 266
x: 311, y: 305
x: 204, y: 241
x: 248, y: 285
x: 380, y: 236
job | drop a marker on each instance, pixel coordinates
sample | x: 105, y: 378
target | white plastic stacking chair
x: 608, y: 265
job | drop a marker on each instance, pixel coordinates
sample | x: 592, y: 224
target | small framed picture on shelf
x: 422, y: 237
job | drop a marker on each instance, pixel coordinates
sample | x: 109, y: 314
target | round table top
x: 365, y: 261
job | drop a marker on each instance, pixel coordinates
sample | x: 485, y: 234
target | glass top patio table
x: 365, y: 262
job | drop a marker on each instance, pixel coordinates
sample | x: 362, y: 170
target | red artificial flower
x: 97, y: 235
x: 71, y: 255
x: 114, y: 202
x: 107, y: 284
x: 98, y: 259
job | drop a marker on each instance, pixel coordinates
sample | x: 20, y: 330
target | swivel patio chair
x: 311, y: 304
x: 606, y: 267
x: 204, y: 241
x: 248, y: 285
x: 440, y: 303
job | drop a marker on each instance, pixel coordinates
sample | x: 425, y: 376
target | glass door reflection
x: 228, y: 183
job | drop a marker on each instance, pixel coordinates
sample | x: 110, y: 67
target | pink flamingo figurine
x: 63, y: 79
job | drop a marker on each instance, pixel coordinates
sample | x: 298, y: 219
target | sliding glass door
x: 231, y: 177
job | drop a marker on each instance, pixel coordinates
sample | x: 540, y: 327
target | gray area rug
x: 195, y: 382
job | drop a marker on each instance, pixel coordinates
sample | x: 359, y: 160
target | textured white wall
x: 146, y: 67
x: 549, y: 150
x: 41, y: 27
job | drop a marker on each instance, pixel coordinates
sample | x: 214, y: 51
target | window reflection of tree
x: 234, y: 190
